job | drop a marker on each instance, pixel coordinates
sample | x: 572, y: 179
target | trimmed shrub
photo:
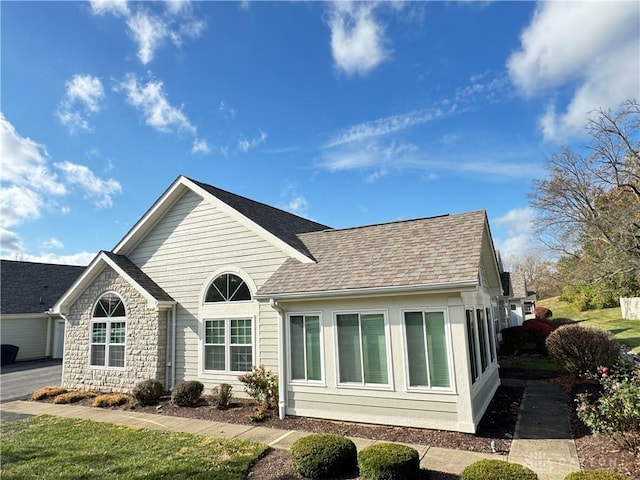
x: 110, y: 400
x: 538, y: 330
x: 581, y: 349
x: 187, y: 394
x: 596, y: 475
x: 148, y: 392
x: 514, y: 339
x: 497, y: 470
x: 324, y: 455
x: 73, y: 397
x: 542, y: 313
x: 262, y: 385
x: 388, y: 461
x: 560, y: 321
x: 47, y: 392
x: 222, y: 395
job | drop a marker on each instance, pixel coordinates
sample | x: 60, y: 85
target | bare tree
x: 590, y: 203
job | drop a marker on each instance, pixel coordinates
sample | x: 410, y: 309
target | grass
x: 60, y: 448
x: 625, y: 331
x: 531, y: 362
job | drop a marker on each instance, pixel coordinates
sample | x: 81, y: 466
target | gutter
x: 282, y: 363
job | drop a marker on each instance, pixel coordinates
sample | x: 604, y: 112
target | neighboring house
x: 522, y: 302
x: 28, y: 291
x: 388, y: 323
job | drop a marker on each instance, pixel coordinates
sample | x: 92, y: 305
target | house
x: 522, y: 301
x: 389, y: 323
x: 28, y: 291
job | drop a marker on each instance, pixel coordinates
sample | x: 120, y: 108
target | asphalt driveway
x: 19, y: 380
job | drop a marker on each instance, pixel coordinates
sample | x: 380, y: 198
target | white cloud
x: 244, y: 144
x: 84, y: 97
x: 357, y: 38
x: 591, y: 47
x: 151, y: 100
x: 297, y: 203
x: 149, y: 31
x: 80, y: 258
x: 10, y: 243
x: 32, y: 183
x: 51, y: 244
x: 115, y: 7
x: 200, y: 145
x: 519, y: 238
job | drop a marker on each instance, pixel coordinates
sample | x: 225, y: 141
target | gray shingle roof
x: 428, y: 251
x: 284, y: 225
x: 140, y: 277
x: 28, y: 287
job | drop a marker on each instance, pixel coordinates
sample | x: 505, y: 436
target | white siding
x: 30, y: 334
x: 191, y: 242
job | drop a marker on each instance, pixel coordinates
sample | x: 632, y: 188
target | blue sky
x: 345, y: 113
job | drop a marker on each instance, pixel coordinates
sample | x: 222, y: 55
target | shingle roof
x: 428, y: 251
x: 140, y: 277
x: 284, y: 225
x: 28, y: 287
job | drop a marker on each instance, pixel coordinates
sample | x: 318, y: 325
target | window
x: 482, y: 338
x: 108, y: 332
x: 362, y: 348
x: 306, y: 360
x: 227, y: 288
x: 228, y: 345
x: 427, y: 353
x: 492, y: 338
x: 471, y: 336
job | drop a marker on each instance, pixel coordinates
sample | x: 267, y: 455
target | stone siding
x: 145, y: 351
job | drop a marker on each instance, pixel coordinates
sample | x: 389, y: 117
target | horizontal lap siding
x: 30, y: 334
x: 192, y: 241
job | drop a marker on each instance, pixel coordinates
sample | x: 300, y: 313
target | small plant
x: 497, y: 470
x: 542, y: 313
x: 48, y: 392
x: 388, y: 461
x: 324, y: 455
x: 596, y: 475
x: 259, y: 414
x: 73, y: 396
x: 262, y: 385
x: 110, y: 400
x: 187, y: 394
x: 581, y: 349
x: 616, y: 413
x: 222, y: 395
x: 514, y: 339
x: 148, y: 392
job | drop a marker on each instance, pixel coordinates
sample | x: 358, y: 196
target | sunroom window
x: 108, y: 332
x: 227, y: 288
x: 305, y: 347
x: 427, y: 352
x: 362, y: 348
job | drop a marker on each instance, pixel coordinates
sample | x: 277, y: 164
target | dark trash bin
x: 9, y: 354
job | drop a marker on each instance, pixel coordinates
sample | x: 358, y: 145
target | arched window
x: 108, y: 332
x: 227, y: 288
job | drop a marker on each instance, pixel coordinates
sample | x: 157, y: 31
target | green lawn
x: 70, y: 449
x: 626, y: 331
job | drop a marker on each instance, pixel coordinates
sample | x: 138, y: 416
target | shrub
x: 497, y: 470
x: 514, y: 339
x: 542, y: 313
x: 148, y: 392
x: 596, y: 475
x: 538, y: 330
x: 324, y: 455
x: 616, y: 413
x: 388, y: 461
x: 581, y: 349
x: 73, y: 397
x: 110, y: 400
x: 222, y: 395
x: 262, y: 385
x: 48, y: 392
x: 560, y: 321
x: 187, y: 394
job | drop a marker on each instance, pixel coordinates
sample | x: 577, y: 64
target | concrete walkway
x: 551, y: 456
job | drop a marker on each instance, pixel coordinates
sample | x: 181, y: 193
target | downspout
x: 174, y: 316
x: 66, y: 325
x: 282, y: 363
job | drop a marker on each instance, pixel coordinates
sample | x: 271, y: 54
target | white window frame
x: 227, y: 343
x: 387, y: 335
x: 487, y: 326
x: 108, y: 321
x: 322, y: 381
x: 449, y: 341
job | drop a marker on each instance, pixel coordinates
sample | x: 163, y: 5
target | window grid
x: 109, y: 333
x: 228, y: 345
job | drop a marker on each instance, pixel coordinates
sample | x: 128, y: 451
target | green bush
x: 560, y: 321
x: 187, y: 394
x: 148, y: 392
x: 514, y: 339
x: 222, y: 395
x: 595, y: 475
x: 324, y: 455
x: 388, y: 461
x: 497, y: 470
x: 581, y: 349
